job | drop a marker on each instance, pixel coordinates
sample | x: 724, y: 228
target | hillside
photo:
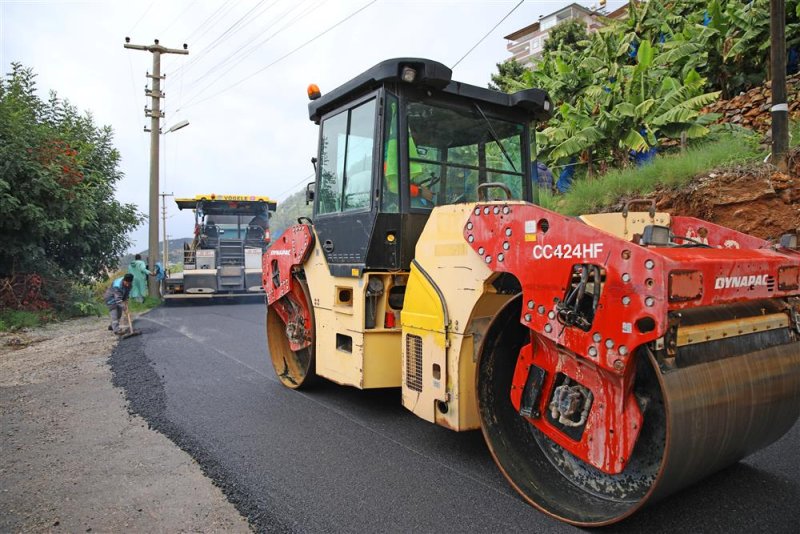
x: 754, y: 199
x: 288, y: 211
x: 725, y: 181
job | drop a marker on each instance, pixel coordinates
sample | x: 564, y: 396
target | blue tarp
x: 565, y: 177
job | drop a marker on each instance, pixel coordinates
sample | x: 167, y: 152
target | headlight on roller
x: 788, y: 278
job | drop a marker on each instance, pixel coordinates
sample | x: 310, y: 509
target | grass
x: 13, y: 320
x: 149, y: 303
x: 87, y: 303
x: 592, y: 195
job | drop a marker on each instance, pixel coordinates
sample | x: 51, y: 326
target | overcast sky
x: 249, y: 131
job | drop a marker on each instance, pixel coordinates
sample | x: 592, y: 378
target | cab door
x: 345, y: 207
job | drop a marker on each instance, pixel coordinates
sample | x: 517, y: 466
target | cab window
x: 390, y: 200
x: 346, y: 159
x: 452, y: 151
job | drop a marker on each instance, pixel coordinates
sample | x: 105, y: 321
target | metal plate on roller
x: 723, y: 329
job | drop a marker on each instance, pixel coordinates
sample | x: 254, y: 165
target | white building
x: 527, y: 44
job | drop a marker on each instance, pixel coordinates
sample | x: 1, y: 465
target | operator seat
x: 254, y: 236
x: 211, y: 233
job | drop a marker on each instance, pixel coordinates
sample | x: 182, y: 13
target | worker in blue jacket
x: 116, y: 299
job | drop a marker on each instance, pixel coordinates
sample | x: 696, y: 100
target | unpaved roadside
x: 72, y: 459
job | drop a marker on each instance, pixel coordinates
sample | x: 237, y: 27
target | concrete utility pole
x: 780, y: 108
x: 155, y: 115
x: 164, y: 196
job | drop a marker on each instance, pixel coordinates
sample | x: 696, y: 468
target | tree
x: 735, y: 36
x: 58, y: 172
x: 509, y: 77
x: 636, y: 82
x: 620, y: 94
x: 569, y: 36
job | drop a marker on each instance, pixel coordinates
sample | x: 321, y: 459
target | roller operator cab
x: 224, y: 258
x: 609, y: 360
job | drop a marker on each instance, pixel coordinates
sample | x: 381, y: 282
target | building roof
x: 620, y: 12
x: 524, y: 31
x: 535, y: 26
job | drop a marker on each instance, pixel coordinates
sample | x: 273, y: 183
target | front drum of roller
x: 697, y: 420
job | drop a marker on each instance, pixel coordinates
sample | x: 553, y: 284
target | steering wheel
x: 430, y: 182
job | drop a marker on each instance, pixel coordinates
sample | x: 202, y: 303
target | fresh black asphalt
x: 335, y: 459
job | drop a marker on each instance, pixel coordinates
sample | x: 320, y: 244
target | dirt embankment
x: 72, y: 459
x: 755, y: 199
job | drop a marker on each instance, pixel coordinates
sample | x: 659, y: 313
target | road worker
x: 116, y: 299
x: 421, y: 195
x: 140, y: 273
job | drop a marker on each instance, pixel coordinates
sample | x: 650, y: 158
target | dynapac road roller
x: 609, y: 359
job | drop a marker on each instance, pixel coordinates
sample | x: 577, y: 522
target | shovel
x: 131, y: 332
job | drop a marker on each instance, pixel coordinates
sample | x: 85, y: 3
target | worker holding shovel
x: 116, y: 298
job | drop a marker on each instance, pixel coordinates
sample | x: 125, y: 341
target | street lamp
x: 177, y: 126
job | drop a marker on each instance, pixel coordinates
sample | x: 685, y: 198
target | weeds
x: 83, y: 302
x: 13, y: 320
x: 149, y: 302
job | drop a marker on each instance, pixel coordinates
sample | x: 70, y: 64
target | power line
x: 243, y: 46
x: 244, y: 54
x: 182, y: 13
x: 234, y: 27
x: 210, y: 17
x: 198, y: 93
x: 208, y: 25
x: 487, y: 34
x: 306, y: 179
x: 259, y: 71
x: 146, y: 11
x: 227, y: 32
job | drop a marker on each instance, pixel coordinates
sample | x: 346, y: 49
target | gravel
x: 73, y: 459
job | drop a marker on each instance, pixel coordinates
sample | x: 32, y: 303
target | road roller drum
x: 696, y: 420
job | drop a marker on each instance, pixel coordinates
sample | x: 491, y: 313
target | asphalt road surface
x: 335, y: 459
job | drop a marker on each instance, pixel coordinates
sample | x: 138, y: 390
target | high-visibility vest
x: 390, y: 161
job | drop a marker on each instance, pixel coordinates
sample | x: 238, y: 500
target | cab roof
x: 228, y: 204
x: 431, y: 74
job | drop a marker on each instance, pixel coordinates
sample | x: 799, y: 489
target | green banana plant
x: 635, y: 83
